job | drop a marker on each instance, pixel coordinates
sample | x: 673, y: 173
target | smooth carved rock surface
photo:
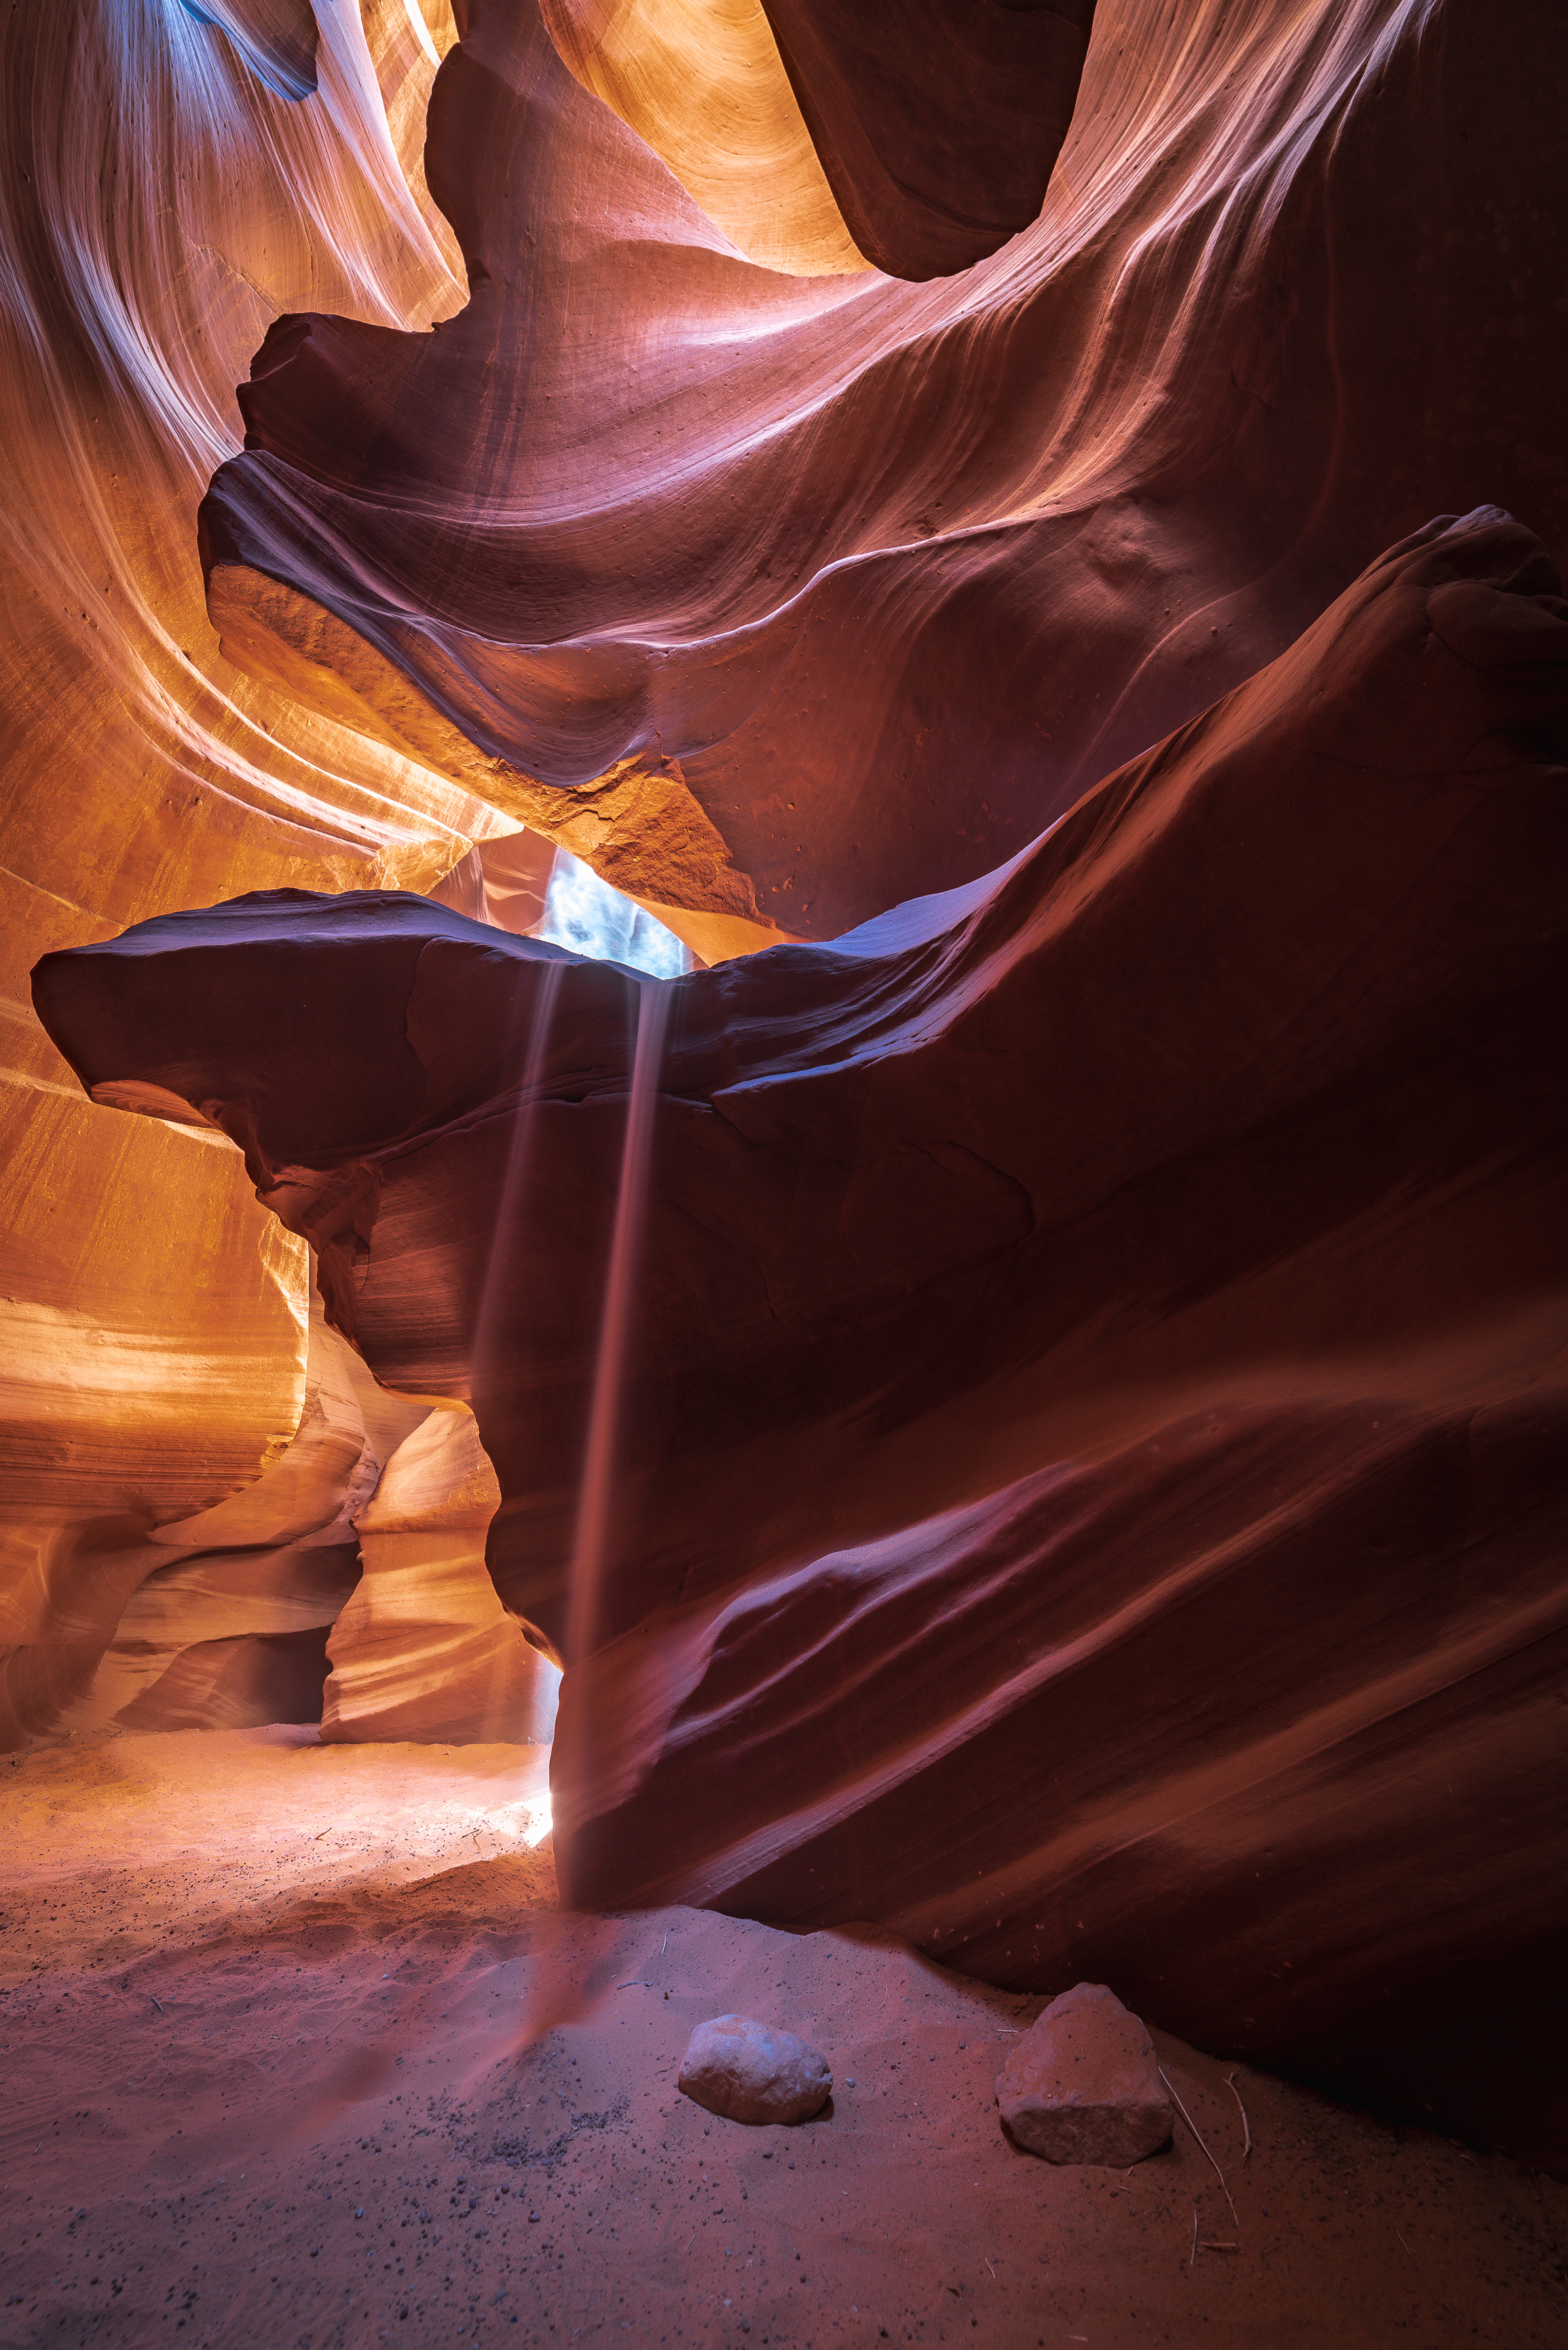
x: 784, y: 600
x: 220, y: 1619
x: 278, y: 38
x: 938, y: 123
x: 750, y: 2072
x: 1083, y: 2084
x: 786, y: 595
x: 160, y: 202
x: 702, y: 84
x: 423, y: 1649
x: 1089, y: 1477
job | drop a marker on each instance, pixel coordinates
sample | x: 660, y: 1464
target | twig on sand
x: 1192, y: 2255
x: 637, y: 1982
x: 1210, y: 2245
x: 1246, y: 2131
x: 1198, y: 2133
x: 157, y: 2002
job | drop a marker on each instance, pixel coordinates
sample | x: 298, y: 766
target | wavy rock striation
x: 782, y: 600
x: 219, y: 1619
x: 777, y: 590
x: 425, y: 1650
x: 1087, y: 1488
x: 170, y: 181
x: 702, y: 84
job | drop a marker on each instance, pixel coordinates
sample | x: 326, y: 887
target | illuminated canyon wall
x: 1078, y: 1475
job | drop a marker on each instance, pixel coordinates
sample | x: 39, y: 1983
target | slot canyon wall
x: 1031, y: 1409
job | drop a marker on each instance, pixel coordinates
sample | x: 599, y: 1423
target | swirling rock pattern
x: 1088, y: 1488
x: 702, y: 84
x: 278, y: 38
x: 219, y: 1620
x: 782, y: 600
x: 832, y: 590
x: 423, y: 1649
x: 161, y: 200
x: 1085, y: 1476
x: 838, y: 589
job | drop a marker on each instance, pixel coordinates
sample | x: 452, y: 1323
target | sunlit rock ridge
x: 1026, y: 1390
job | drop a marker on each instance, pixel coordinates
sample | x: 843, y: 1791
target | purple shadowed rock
x: 748, y: 2071
x: 1082, y: 2084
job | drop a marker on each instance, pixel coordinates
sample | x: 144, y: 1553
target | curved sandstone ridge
x: 423, y: 1649
x: 783, y: 599
x: 702, y: 83
x: 277, y: 39
x: 161, y: 200
x: 937, y: 123
x: 218, y: 1620
x: 1087, y: 1480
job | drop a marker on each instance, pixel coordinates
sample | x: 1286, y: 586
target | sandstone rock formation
x: 219, y: 1620
x: 783, y: 599
x: 1088, y: 1481
x: 1082, y: 1461
x: 1083, y: 2084
x: 752, y: 2071
x: 423, y: 1649
x: 937, y: 124
x: 901, y: 570
x: 702, y: 84
x: 277, y: 39
x: 160, y: 202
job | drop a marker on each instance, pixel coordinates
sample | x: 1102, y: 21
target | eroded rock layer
x: 218, y: 1620
x: 423, y: 1649
x: 782, y: 600
x: 1083, y: 1480
x: 937, y: 124
x: 171, y: 179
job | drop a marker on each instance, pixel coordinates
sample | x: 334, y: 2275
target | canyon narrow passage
x: 783, y: 1174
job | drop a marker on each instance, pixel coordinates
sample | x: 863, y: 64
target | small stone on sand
x: 748, y: 2071
x: 1082, y: 2084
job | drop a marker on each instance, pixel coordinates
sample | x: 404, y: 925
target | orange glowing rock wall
x: 159, y: 203
x: 425, y: 1650
x: 1093, y: 1433
x: 1087, y: 1479
x: 784, y: 598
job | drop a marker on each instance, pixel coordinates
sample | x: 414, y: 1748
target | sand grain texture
x: 422, y: 2088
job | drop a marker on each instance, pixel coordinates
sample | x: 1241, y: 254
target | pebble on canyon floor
x: 1083, y: 2084
x: 748, y: 2071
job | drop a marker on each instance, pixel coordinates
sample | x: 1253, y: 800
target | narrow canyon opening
x: 784, y: 1398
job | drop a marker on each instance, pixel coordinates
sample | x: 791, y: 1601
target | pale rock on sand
x: 325, y: 1994
x: 1082, y: 2084
x: 748, y: 2071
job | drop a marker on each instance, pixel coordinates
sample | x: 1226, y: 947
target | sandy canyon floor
x: 298, y: 2050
